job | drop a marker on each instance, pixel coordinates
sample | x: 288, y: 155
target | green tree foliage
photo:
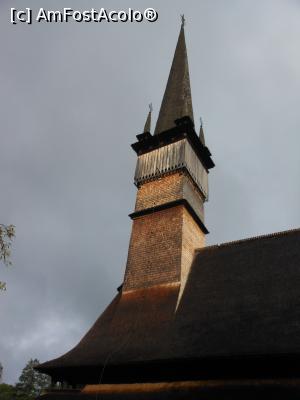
x: 31, y: 382
x: 7, y: 233
x: 7, y: 392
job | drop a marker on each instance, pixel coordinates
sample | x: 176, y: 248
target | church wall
x: 162, y: 242
x: 159, y: 191
x: 192, y: 238
x: 155, y: 248
x: 170, y: 188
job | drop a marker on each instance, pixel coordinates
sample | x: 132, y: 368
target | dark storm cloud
x: 73, y: 97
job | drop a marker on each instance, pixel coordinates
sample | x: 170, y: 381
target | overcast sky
x: 73, y: 97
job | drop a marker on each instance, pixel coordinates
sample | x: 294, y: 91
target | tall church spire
x: 177, y: 100
x: 172, y: 179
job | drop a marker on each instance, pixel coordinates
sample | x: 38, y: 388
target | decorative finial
x: 201, y: 122
x: 182, y: 20
x: 150, y: 107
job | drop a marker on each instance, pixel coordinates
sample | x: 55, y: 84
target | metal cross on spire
x: 182, y: 20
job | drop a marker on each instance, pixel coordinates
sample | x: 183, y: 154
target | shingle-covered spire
x: 147, y: 127
x: 177, y: 100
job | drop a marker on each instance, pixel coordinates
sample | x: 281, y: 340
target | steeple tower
x: 177, y: 100
x: 172, y: 179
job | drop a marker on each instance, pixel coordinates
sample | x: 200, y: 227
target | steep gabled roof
x: 240, y: 299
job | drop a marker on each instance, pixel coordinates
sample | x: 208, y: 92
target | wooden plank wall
x: 172, y: 157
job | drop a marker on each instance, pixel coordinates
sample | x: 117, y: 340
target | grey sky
x: 73, y: 97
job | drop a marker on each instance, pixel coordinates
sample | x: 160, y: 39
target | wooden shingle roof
x: 177, y: 100
x: 241, y: 300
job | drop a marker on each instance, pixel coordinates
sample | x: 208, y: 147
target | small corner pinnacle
x: 147, y: 126
x: 201, y: 133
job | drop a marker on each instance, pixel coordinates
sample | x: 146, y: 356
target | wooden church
x: 190, y: 321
